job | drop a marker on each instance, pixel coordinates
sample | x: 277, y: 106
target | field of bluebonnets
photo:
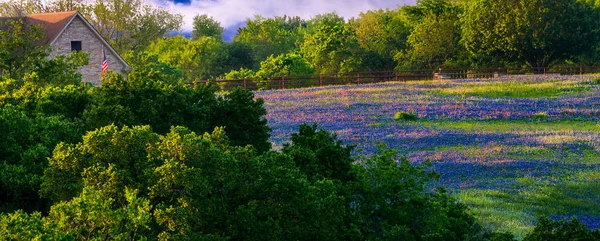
x: 512, y: 148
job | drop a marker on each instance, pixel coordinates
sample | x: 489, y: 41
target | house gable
x: 79, y: 30
x: 68, y: 31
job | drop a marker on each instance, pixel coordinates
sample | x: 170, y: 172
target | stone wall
x: 90, y: 43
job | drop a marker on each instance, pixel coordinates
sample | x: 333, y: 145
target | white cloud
x: 233, y: 12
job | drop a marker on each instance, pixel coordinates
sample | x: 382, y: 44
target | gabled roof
x: 54, y: 24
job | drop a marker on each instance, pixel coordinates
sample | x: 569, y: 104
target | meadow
x: 512, y: 149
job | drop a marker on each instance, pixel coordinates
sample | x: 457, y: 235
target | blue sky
x: 233, y: 13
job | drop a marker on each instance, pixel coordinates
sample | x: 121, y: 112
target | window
x: 75, y: 45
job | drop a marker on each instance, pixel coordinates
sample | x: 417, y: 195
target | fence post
x: 282, y: 82
x: 544, y: 70
x: 580, y: 71
x: 507, y: 74
x: 396, y: 72
x: 245, y: 83
x: 358, y: 77
x: 320, y: 80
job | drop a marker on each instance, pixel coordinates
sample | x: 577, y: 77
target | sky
x: 232, y: 13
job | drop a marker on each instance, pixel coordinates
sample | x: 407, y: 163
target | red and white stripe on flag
x: 104, y: 61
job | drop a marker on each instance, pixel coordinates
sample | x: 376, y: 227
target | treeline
x: 429, y: 35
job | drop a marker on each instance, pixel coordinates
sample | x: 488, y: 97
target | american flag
x: 104, y: 61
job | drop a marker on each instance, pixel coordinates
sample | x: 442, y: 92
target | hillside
x: 512, y: 149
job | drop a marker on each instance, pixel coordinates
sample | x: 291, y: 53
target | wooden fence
x: 289, y: 82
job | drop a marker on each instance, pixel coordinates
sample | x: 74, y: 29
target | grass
x: 503, y: 210
x: 513, y: 126
x: 514, y: 89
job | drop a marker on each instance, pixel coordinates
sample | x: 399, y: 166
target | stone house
x: 70, y: 31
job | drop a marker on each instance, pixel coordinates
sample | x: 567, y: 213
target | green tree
x: 539, y: 33
x: 206, y: 26
x: 548, y: 230
x: 21, y: 48
x: 331, y: 47
x: 198, y: 60
x: 392, y: 203
x: 320, y: 155
x: 130, y: 24
x: 235, y: 55
x: 243, y: 118
x: 270, y: 36
x: 381, y: 34
x: 434, y: 40
x: 148, y: 66
x: 290, y: 64
x: 190, y: 187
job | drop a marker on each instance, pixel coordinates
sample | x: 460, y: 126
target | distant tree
x: 536, y: 32
x: 22, y: 7
x: 242, y: 73
x: 435, y: 36
x: 198, y: 60
x: 323, y: 19
x: 21, y: 48
x: 331, y: 47
x: 206, y: 26
x: 148, y: 66
x: 270, y: 36
x: 131, y: 24
x: 380, y: 34
x: 235, y: 55
x: 290, y: 64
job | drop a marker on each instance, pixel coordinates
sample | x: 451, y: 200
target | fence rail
x: 290, y: 82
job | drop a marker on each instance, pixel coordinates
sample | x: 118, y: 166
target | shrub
x: 548, y: 230
x: 407, y: 116
x: 540, y: 115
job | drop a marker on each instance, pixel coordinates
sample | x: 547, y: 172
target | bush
x: 407, y: 116
x: 547, y: 230
x: 540, y: 115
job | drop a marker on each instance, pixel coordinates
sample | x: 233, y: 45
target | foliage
x: 190, y: 187
x: 243, y: 117
x: 235, y: 55
x: 130, y: 24
x: 540, y: 115
x: 198, y: 60
x: 320, y: 155
x: 393, y: 203
x: 331, y: 48
x: 406, y: 116
x: 20, y: 48
x: 435, y: 37
x: 561, y: 230
x: 270, y: 36
x: 239, y: 74
x: 380, y: 34
x: 206, y: 26
x: 539, y: 33
x: 290, y: 64
x: 148, y: 66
